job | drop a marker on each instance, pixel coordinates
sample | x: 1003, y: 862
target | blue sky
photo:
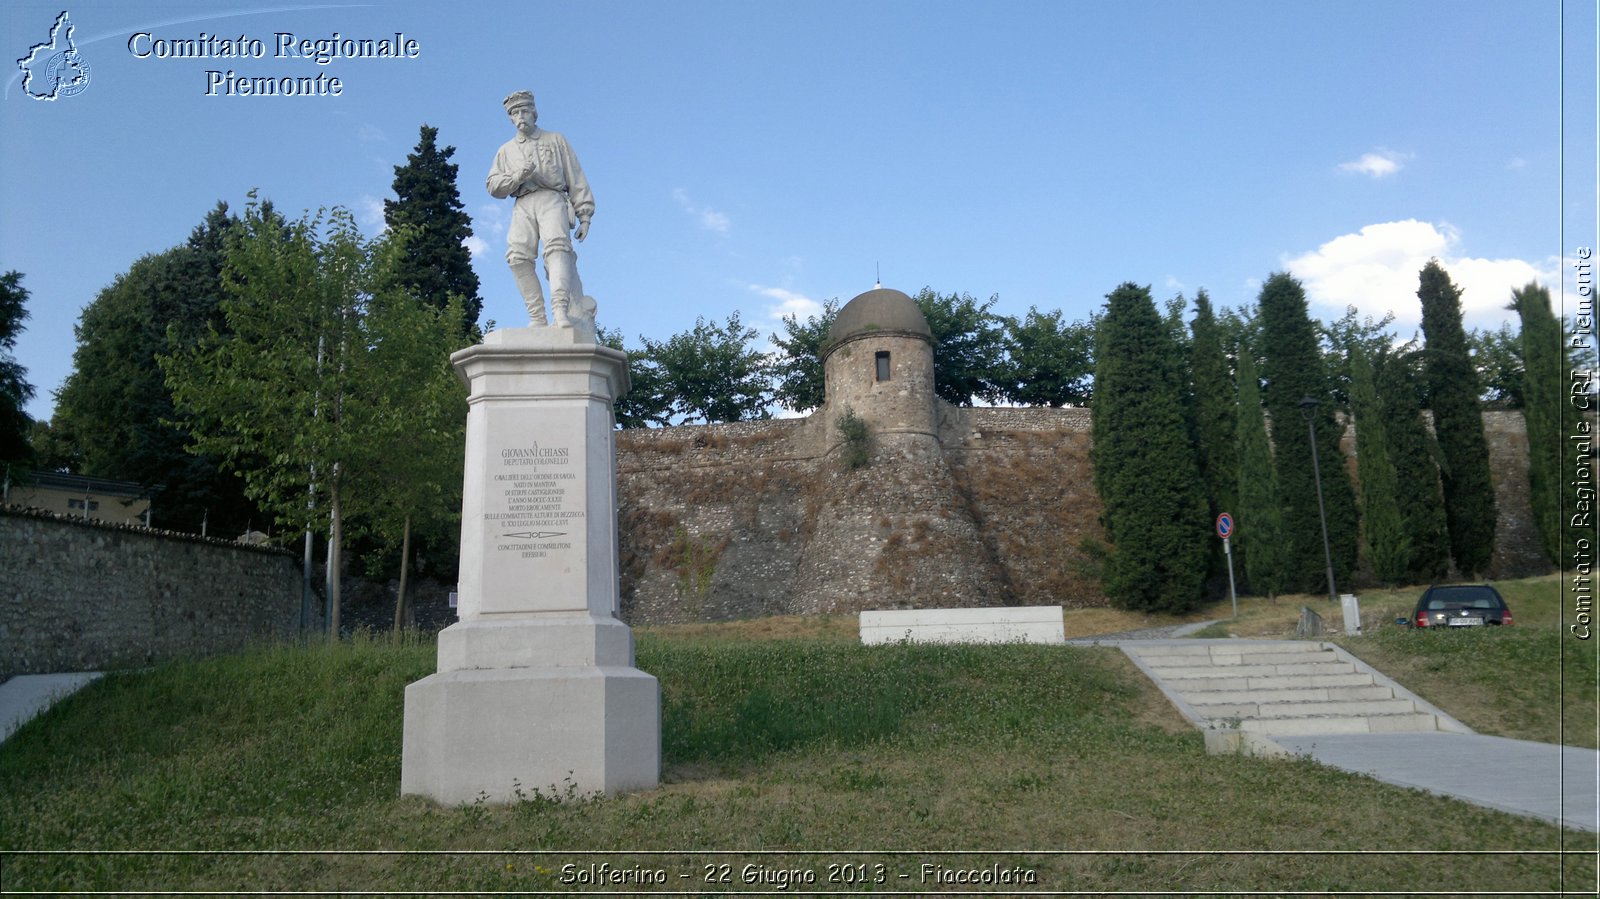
x: 765, y: 157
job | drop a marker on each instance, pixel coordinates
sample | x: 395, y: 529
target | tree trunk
x: 335, y: 559
x: 401, y: 604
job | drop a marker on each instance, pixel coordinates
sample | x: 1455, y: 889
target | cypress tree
x: 1413, y: 454
x: 1145, y: 471
x: 1214, y: 413
x: 1260, y: 530
x: 1457, y: 422
x: 1388, y: 548
x: 436, y: 263
x: 1293, y: 368
x: 1543, y: 395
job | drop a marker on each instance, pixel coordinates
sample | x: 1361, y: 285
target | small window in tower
x: 883, y: 365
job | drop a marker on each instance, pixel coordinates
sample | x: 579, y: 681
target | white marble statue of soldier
x: 539, y: 169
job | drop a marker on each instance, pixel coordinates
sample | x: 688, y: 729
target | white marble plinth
x: 1008, y: 624
x: 536, y: 687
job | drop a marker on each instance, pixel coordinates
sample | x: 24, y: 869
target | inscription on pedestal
x: 534, y: 510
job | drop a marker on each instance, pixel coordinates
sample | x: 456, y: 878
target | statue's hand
x: 583, y: 229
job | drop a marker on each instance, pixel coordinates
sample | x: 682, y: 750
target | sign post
x: 1225, y: 530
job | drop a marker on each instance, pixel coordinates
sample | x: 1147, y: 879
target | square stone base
x: 489, y: 732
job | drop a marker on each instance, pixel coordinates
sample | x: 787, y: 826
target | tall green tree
x: 1414, y: 455
x: 1453, y: 391
x: 15, y: 391
x: 1050, y: 362
x: 647, y: 402
x: 1144, y: 467
x: 797, y: 366
x: 304, y: 377
x: 969, y: 347
x: 1497, y: 358
x: 1382, y: 525
x: 1214, y: 414
x: 116, y: 406
x: 1293, y: 369
x: 712, y: 373
x: 436, y: 264
x: 1544, y: 395
x: 1259, y: 539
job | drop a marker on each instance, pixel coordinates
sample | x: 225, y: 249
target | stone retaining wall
x: 77, y: 596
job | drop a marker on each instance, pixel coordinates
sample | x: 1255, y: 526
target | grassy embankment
x: 777, y: 742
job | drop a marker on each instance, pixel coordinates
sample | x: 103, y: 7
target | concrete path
x: 1540, y: 780
x: 26, y: 695
x: 1306, y: 698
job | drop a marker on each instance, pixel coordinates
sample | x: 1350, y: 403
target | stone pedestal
x: 536, y: 687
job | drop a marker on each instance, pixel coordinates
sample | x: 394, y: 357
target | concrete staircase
x: 1240, y: 691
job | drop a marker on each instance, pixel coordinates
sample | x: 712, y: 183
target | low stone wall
x: 82, y: 596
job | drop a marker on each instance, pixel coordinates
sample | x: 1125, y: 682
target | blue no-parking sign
x: 1224, y: 525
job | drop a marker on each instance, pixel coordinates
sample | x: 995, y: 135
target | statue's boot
x: 561, y: 264
x: 527, y: 278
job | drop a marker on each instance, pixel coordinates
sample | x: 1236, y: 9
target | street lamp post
x: 1308, y: 410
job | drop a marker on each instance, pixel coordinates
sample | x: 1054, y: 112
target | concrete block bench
x: 1012, y: 624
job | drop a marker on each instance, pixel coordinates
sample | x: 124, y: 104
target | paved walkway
x: 1559, y: 784
x: 1540, y: 780
x: 26, y: 695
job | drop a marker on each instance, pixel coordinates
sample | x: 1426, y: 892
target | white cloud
x: 788, y: 303
x: 490, y: 219
x: 1380, y: 164
x: 475, y: 245
x: 1516, y: 162
x: 369, y: 211
x: 710, y: 219
x: 1376, y: 270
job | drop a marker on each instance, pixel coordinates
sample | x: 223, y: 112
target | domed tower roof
x: 877, y: 312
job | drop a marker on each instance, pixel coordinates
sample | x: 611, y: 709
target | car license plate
x: 1465, y: 622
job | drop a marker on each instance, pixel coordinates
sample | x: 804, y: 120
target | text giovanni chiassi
x: 283, y: 45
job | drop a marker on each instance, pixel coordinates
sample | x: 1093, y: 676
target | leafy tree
x: 711, y: 373
x: 1145, y: 472
x: 54, y: 449
x: 647, y: 403
x: 116, y: 405
x: 1458, y: 422
x: 1347, y: 335
x: 1214, y: 413
x: 1543, y: 397
x: 969, y: 347
x: 15, y: 391
x: 436, y: 264
x: 1388, y: 548
x: 1050, y: 361
x: 1497, y: 358
x: 1293, y: 369
x: 304, y: 376
x: 1259, y: 538
x: 800, y: 384
x: 418, y: 404
x: 1414, y: 455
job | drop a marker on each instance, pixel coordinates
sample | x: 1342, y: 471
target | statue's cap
x: 520, y: 98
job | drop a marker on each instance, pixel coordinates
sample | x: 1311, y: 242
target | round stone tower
x: 878, y: 363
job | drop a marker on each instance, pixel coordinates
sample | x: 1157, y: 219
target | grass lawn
x: 787, y: 746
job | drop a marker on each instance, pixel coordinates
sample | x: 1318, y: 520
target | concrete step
x: 1310, y: 694
x: 1360, y: 707
x: 1224, y: 647
x: 1345, y: 724
x: 1225, y: 660
x: 1207, y: 671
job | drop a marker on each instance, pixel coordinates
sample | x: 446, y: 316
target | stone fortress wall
x: 86, y: 596
x: 956, y: 507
